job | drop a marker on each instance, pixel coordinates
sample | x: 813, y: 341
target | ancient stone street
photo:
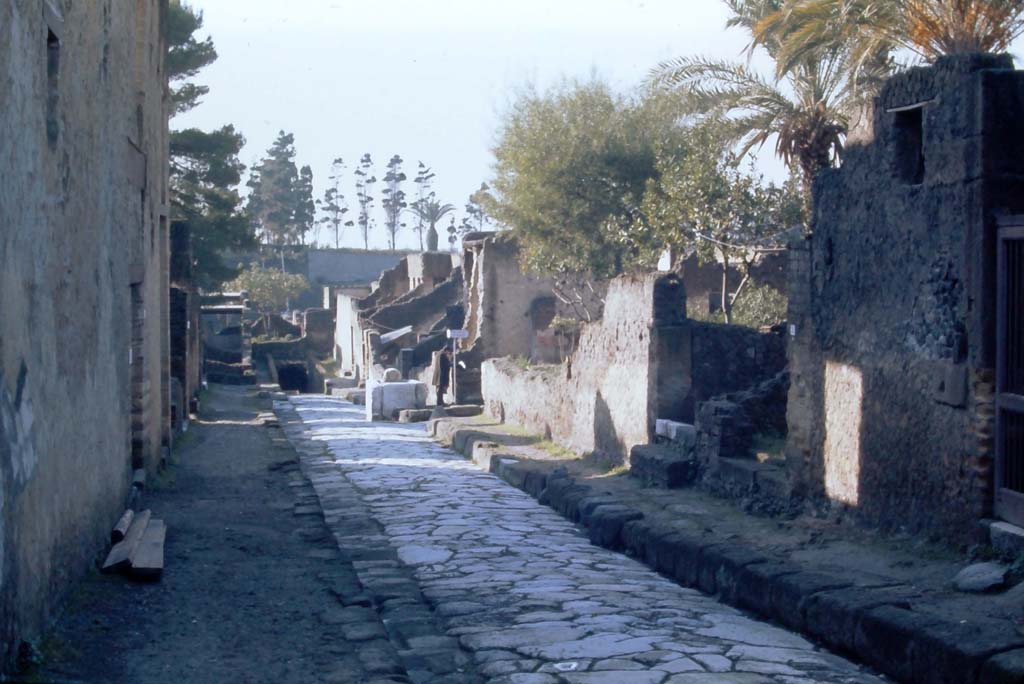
x: 520, y: 588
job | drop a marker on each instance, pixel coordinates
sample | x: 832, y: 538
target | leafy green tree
x: 424, y: 180
x: 706, y: 203
x: 333, y: 204
x: 269, y: 289
x: 281, y: 202
x: 430, y: 212
x: 205, y: 171
x: 393, y: 200
x: 571, y: 169
x: 365, y: 180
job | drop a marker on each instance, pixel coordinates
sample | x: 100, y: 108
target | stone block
x: 662, y: 466
x: 754, y: 585
x: 832, y: 615
x: 414, y: 415
x: 535, y: 483
x: 606, y: 523
x: 790, y: 593
x: 590, y: 504
x: 953, y: 651
x: 464, y: 410
x: 385, y: 400
x: 720, y: 568
x: 683, y: 433
x: 1007, y: 539
x: 885, y: 637
x: 635, y: 536
x: 1005, y: 668
x: 685, y: 554
x: 485, y: 454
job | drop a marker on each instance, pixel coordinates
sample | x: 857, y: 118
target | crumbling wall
x: 508, y: 312
x: 730, y: 358
x: 605, y: 400
x: 892, y: 302
x: 84, y: 306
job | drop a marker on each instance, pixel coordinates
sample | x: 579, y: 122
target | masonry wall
x: 892, y: 303
x: 606, y: 399
x: 82, y: 235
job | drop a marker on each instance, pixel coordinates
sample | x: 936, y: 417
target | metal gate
x: 1009, y: 501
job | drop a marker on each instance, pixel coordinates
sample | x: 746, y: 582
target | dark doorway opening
x: 293, y: 377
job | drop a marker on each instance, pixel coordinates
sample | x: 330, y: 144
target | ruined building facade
x: 894, y: 308
x: 84, y: 349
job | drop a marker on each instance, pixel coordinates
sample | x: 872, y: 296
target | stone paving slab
x: 522, y: 589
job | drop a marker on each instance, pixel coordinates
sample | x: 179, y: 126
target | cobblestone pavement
x: 522, y: 590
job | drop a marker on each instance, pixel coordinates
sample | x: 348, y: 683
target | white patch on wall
x: 844, y: 398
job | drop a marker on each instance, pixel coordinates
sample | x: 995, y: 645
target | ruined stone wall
x: 83, y: 247
x: 421, y: 312
x: 892, y: 302
x: 499, y: 298
x: 730, y: 358
x: 608, y: 401
x: 704, y: 280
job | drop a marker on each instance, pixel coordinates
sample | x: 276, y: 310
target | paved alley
x: 523, y: 591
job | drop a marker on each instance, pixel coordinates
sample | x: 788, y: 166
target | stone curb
x: 426, y: 653
x: 875, y: 624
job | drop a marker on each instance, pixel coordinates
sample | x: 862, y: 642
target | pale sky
x: 426, y: 80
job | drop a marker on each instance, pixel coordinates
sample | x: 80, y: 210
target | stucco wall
x: 83, y: 171
x: 892, y: 303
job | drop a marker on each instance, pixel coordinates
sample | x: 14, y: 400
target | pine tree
x: 423, y: 180
x: 204, y: 167
x: 281, y: 202
x: 333, y: 204
x: 393, y: 200
x: 365, y: 181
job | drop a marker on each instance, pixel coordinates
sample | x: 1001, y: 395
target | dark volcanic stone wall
x: 892, y: 302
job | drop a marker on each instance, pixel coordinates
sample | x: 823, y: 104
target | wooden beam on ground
x: 147, y: 559
x: 120, y: 556
x: 121, y: 528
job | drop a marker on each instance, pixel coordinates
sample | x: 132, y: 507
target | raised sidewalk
x: 888, y: 602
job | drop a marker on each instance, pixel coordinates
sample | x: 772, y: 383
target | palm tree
x: 807, y: 110
x: 926, y: 28
x: 431, y: 212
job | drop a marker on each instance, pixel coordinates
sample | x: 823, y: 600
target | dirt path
x: 254, y: 588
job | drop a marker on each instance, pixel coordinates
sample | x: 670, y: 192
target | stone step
x: 684, y: 433
x: 662, y: 466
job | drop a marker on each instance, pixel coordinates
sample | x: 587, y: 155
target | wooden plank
x: 121, y: 528
x: 120, y: 556
x: 147, y: 559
